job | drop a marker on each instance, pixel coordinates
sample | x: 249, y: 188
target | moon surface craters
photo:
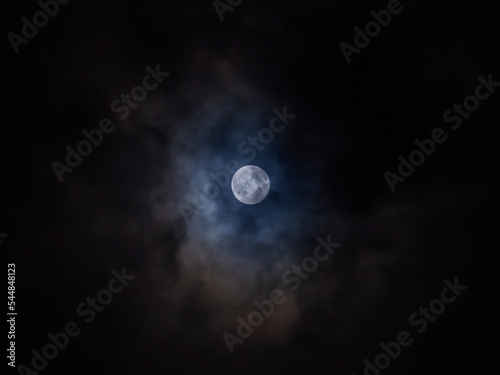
x: 250, y: 184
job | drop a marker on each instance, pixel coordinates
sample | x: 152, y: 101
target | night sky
x: 383, y: 162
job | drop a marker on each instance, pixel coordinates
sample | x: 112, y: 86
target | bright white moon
x: 250, y: 184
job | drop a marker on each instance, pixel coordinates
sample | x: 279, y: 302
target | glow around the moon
x: 250, y: 184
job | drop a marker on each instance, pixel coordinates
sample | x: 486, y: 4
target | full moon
x: 250, y: 184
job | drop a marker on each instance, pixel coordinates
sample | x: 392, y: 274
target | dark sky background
x: 120, y: 207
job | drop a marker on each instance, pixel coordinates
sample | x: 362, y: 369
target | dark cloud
x: 121, y: 206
